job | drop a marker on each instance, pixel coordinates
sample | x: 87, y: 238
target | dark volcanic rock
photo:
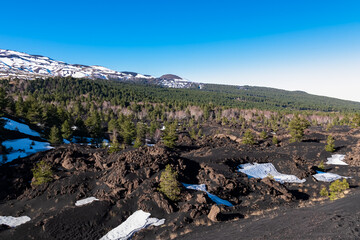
x: 279, y: 189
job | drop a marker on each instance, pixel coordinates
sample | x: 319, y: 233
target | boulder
x: 214, y: 214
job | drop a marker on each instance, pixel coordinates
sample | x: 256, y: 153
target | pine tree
x: 112, y: 125
x: 55, y: 137
x: 153, y: 126
x: 93, y: 122
x: 128, y: 131
x: 42, y: 173
x: 248, y: 138
x: 297, y: 127
x: 330, y: 146
x: 66, y: 130
x: 19, y: 107
x: 170, y: 135
x: 169, y: 184
x: 3, y: 99
x: 114, y: 146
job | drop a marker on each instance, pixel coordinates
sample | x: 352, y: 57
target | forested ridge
x: 120, y: 93
x: 130, y: 113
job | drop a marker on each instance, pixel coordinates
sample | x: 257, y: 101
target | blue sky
x: 295, y: 45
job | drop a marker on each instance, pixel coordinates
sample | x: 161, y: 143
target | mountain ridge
x: 14, y: 64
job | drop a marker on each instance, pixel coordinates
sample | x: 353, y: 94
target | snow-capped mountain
x: 25, y: 66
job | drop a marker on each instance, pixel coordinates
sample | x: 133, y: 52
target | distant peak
x: 169, y: 77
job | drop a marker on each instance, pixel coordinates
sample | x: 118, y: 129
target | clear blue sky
x: 295, y: 45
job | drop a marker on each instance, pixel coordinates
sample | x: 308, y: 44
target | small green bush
x: 248, y: 138
x: 321, y: 166
x: 324, y: 192
x: 337, y: 188
x: 270, y: 176
x: 169, y: 185
x: 275, y: 140
x: 330, y: 144
x: 263, y: 135
x: 42, y: 173
x: 114, y: 146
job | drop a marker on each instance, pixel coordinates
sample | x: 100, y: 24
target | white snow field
x: 336, y: 159
x: 86, y: 201
x: 263, y: 170
x: 13, y: 221
x: 137, y: 221
x: 202, y: 187
x: 23, y: 147
x: 327, y: 177
x: 21, y: 127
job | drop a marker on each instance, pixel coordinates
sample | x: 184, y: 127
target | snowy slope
x: 22, y: 147
x: 26, y: 66
x: 16, y: 126
x: 31, y: 66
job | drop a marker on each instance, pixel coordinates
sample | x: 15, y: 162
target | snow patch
x: 214, y: 198
x: 336, y: 159
x: 86, y: 201
x: 23, y: 147
x: 264, y: 170
x: 13, y: 221
x: 16, y: 126
x: 137, y: 221
x: 327, y: 177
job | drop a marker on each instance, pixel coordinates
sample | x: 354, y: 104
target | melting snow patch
x: 327, y: 177
x: 13, y: 221
x: 263, y: 170
x: 202, y: 187
x: 23, y: 147
x: 336, y: 159
x: 137, y: 221
x: 85, y: 201
x: 16, y: 126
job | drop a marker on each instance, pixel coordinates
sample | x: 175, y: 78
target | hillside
x: 268, y: 98
x: 70, y: 89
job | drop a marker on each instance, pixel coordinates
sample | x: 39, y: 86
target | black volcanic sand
x: 332, y: 220
x: 127, y: 181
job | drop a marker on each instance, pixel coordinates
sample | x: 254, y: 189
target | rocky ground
x: 127, y: 181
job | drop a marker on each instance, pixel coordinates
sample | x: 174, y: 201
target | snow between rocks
x: 137, y: 221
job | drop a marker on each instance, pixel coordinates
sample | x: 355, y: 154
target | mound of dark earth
x: 128, y: 181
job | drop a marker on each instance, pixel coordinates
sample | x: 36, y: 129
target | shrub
x: 330, y: 146
x: 270, y: 176
x: 337, y: 188
x: 275, y: 140
x: 114, y: 146
x: 42, y: 173
x: 248, y: 138
x: 263, y: 135
x: 169, y: 184
x: 297, y: 127
x: 321, y: 166
x: 324, y: 192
